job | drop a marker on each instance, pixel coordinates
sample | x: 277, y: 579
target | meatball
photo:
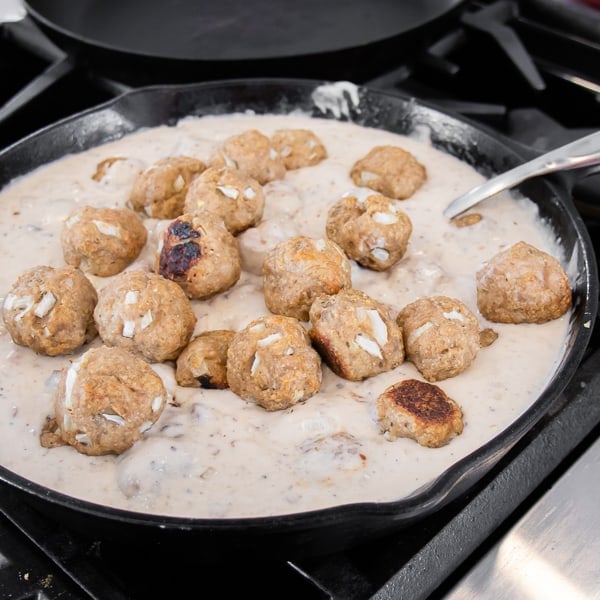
x: 252, y: 153
x: 146, y: 314
x: 102, y: 241
x: 298, y: 270
x: 371, y: 230
x: 198, y: 253
x: 441, y: 336
x: 420, y: 411
x: 237, y: 198
x: 160, y: 190
x: 523, y: 284
x: 106, y: 400
x: 51, y: 310
x: 389, y: 170
x: 271, y: 362
x: 203, y: 362
x: 355, y: 334
x: 298, y: 147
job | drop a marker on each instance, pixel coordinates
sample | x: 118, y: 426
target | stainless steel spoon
x: 584, y: 152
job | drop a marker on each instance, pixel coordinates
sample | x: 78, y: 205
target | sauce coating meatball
x: 271, y: 362
x: 203, y: 362
x: 199, y: 254
x: 389, y: 170
x: 252, y: 153
x: 441, y: 336
x: 420, y: 411
x: 102, y: 241
x: 371, y: 229
x: 355, y: 334
x: 106, y: 400
x: 298, y: 147
x: 523, y: 284
x: 160, y: 190
x: 298, y: 270
x: 51, y: 310
x: 145, y: 314
x: 235, y: 197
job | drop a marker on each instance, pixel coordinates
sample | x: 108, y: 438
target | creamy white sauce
x: 215, y: 455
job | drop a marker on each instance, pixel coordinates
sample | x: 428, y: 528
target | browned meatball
x: 160, y: 190
x: 237, y: 198
x: 298, y: 147
x: 272, y: 363
x: 420, y: 411
x: 197, y: 252
x: 146, y: 314
x: 102, y: 241
x: 203, y: 362
x: 389, y: 170
x: 441, y: 336
x: 523, y: 284
x: 298, y: 270
x: 252, y: 153
x: 51, y: 310
x: 371, y: 230
x: 355, y: 334
x: 106, y: 400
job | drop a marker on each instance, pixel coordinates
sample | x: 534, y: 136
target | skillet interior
x: 336, y: 528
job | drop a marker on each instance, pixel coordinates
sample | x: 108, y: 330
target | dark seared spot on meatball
x: 423, y: 400
x: 327, y: 351
x: 183, y: 230
x: 208, y: 382
x: 175, y: 261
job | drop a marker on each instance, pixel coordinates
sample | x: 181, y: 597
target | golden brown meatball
x: 389, y: 170
x: 51, y: 310
x: 420, y: 411
x: 355, y: 334
x: 298, y: 147
x: 237, y: 198
x: 272, y: 363
x: 203, y: 362
x: 298, y: 270
x: 252, y: 153
x: 198, y: 253
x: 160, y: 190
x: 146, y: 314
x: 372, y: 229
x: 523, y: 284
x: 106, y: 400
x: 441, y: 336
x: 102, y: 241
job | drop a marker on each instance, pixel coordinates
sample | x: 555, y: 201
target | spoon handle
x: 584, y: 152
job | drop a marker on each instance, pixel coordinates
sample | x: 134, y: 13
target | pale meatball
x: 389, y: 170
x: 441, y: 336
x: 298, y: 270
x: 51, y: 310
x: 420, y: 411
x: 372, y: 229
x: 237, y: 198
x: 523, y: 284
x: 199, y: 254
x: 355, y: 334
x: 252, y: 153
x: 102, y: 241
x: 146, y: 314
x: 272, y: 363
x: 203, y: 362
x: 106, y: 400
x: 159, y: 191
x: 298, y: 147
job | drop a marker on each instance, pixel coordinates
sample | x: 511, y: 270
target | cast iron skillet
x: 341, y: 527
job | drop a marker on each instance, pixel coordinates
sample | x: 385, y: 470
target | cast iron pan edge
x: 333, y: 529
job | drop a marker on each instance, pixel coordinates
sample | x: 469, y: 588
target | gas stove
x: 539, y: 85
